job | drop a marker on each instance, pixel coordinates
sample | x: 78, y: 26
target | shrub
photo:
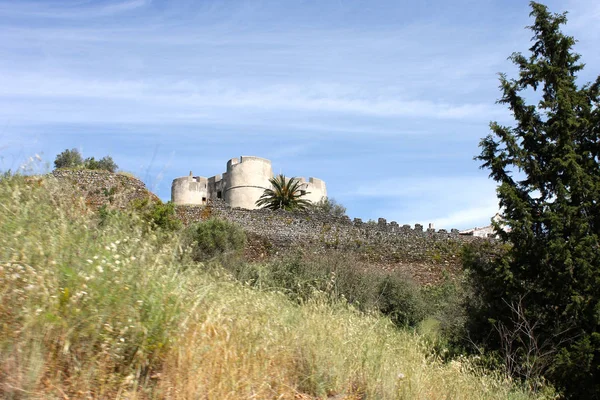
x: 68, y: 159
x: 215, y: 237
x: 330, y: 206
x: 105, y: 164
x: 401, y: 300
x: 339, y: 276
x: 159, y: 215
x: 73, y: 159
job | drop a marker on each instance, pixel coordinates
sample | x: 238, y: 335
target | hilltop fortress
x: 244, y: 182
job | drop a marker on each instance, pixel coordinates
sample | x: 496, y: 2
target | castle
x: 244, y: 182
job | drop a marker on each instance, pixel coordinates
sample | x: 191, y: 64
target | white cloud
x: 195, y: 101
x: 49, y: 10
x: 448, y: 202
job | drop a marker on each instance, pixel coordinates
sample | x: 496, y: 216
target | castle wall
x: 428, y: 254
x: 246, y: 181
x: 189, y: 190
x: 316, y: 190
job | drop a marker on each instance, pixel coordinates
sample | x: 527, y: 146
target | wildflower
x: 90, y: 261
x: 100, y: 269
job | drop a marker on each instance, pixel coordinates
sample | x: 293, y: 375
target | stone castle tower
x: 244, y: 182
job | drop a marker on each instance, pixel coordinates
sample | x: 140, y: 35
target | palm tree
x: 285, y: 194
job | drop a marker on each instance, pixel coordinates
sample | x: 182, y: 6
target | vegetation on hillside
x: 114, y: 306
x: 538, y: 305
x: 73, y: 159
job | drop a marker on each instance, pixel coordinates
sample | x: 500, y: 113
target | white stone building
x: 244, y: 182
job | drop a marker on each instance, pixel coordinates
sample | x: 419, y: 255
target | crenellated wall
x: 387, y: 245
x: 315, y: 189
x: 427, y: 254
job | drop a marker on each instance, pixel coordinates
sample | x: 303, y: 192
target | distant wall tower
x: 189, y: 190
x: 247, y: 179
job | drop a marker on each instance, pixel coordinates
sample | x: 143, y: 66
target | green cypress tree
x: 541, y: 299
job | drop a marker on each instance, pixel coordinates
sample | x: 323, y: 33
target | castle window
x: 204, y: 199
x: 219, y: 195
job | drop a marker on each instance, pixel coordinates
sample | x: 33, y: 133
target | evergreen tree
x: 543, y: 295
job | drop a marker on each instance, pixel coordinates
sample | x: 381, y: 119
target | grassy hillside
x: 106, y: 305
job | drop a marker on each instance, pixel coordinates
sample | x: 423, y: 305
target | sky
x: 386, y: 101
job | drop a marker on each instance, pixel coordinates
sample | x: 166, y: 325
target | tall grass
x: 118, y: 309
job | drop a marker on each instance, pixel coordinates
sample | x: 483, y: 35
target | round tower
x: 189, y: 190
x: 247, y: 179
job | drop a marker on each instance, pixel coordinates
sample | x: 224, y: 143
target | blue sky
x: 384, y: 100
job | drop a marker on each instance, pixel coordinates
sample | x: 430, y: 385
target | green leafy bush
x: 401, y: 300
x: 105, y: 164
x: 159, y: 215
x: 73, y: 159
x: 330, y: 206
x: 340, y: 277
x: 68, y: 159
x: 215, y: 237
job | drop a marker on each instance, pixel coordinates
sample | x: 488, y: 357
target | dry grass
x: 116, y: 310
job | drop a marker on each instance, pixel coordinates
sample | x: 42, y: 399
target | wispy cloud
x: 192, y: 102
x: 447, y: 201
x: 387, y: 99
x: 37, y: 9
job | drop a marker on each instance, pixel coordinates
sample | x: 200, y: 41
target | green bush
x: 341, y: 277
x: 401, y: 300
x: 105, y: 164
x: 73, y: 159
x: 68, y: 159
x: 330, y: 206
x: 215, y: 237
x: 159, y: 215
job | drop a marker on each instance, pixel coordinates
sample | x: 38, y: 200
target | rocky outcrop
x: 105, y: 188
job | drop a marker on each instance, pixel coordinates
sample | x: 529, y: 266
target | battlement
x: 316, y: 181
x: 393, y: 226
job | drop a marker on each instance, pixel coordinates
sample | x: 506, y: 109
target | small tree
x: 548, y: 170
x: 68, y: 159
x: 286, y: 194
x: 106, y: 164
x: 330, y: 206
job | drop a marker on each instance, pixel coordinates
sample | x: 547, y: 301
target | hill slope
x: 107, y: 307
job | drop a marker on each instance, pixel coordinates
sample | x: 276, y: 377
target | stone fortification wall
x: 426, y: 252
x: 315, y: 189
x: 102, y: 187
